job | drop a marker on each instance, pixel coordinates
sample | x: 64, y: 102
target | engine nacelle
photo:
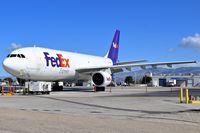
x: 101, y: 78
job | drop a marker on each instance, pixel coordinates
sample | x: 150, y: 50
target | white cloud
x: 191, y: 42
x: 14, y: 46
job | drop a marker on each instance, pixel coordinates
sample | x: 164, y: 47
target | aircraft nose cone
x: 6, y: 64
x: 13, y: 66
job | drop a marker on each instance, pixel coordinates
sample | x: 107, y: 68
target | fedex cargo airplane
x: 43, y: 64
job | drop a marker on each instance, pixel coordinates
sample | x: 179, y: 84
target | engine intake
x: 101, y: 78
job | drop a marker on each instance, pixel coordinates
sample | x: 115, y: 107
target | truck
x: 38, y: 87
x: 171, y: 83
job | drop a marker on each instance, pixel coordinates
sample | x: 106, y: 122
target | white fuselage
x: 50, y: 65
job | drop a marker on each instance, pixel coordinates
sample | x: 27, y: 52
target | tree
x: 8, y: 79
x: 128, y: 80
x: 146, y: 79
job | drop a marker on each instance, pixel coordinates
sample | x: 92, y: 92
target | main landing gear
x: 99, y: 88
x: 56, y: 87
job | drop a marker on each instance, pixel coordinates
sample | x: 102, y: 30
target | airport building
x: 176, y: 80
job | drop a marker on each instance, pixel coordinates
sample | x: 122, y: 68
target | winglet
x: 113, y: 52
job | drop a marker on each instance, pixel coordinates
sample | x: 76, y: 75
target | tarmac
x: 80, y: 110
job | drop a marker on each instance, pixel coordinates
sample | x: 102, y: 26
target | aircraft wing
x: 118, y: 68
x: 130, y: 62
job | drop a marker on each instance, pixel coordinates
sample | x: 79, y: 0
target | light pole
x: 146, y: 82
x: 135, y: 78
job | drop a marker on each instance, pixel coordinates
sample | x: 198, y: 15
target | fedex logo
x: 58, y: 61
x: 115, y: 45
x: 108, y: 78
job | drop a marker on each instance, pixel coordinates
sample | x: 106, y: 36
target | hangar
x: 175, y: 80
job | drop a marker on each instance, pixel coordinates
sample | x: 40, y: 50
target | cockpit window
x: 13, y: 55
x: 22, y: 56
x: 16, y: 55
x: 19, y: 55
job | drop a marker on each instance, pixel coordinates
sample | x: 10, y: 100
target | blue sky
x: 155, y: 30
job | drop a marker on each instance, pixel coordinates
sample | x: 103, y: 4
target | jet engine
x: 101, y: 78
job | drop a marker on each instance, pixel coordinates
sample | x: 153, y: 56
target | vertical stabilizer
x: 113, y: 51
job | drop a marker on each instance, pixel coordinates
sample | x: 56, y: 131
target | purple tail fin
x: 113, y: 52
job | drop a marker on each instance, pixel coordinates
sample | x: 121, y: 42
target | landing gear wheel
x: 100, y: 88
x: 56, y: 87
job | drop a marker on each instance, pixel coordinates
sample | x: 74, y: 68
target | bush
x: 146, y: 79
x: 128, y: 80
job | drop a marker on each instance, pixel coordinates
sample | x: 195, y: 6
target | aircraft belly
x: 49, y: 74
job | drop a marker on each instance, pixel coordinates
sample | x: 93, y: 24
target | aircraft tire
x: 100, y: 88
